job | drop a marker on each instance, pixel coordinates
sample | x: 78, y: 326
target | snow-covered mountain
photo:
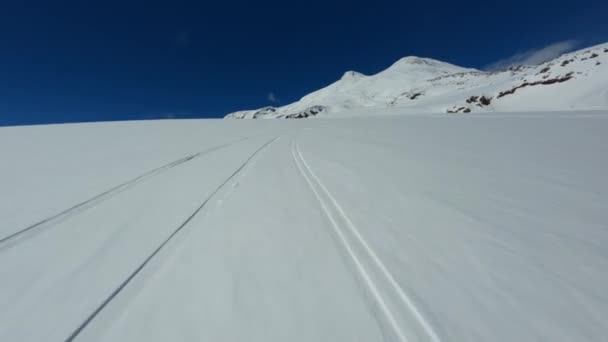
x: 573, y: 81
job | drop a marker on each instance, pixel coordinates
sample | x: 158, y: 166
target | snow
x: 390, y: 226
x: 422, y: 85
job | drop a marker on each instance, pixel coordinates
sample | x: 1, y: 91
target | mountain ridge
x: 573, y: 81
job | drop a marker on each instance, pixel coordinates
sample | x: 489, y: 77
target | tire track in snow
x: 92, y: 316
x: 13, y: 238
x: 331, y: 207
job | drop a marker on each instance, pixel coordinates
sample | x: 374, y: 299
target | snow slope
x: 391, y: 228
x: 574, y: 81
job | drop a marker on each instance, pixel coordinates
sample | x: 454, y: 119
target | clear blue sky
x: 66, y: 61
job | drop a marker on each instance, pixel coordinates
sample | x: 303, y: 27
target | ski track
x: 29, y: 231
x: 315, y: 183
x: 236, y: 173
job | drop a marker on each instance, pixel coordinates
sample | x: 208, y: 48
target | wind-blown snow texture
x: 574, y: 81
x: 413, y: 228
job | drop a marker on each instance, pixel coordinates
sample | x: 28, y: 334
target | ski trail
x: 92, y: 316
x: 405, y: 299
x: 349, y: 249
x: 13, y: 238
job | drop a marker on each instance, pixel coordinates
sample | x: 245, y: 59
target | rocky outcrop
x: 561, y: 79
x: 308, y: 112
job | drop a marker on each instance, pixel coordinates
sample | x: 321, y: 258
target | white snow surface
x: 484, y: 227
x: 422, y: 85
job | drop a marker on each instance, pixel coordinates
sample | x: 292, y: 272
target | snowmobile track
x: 92, y: 316
x: 347, y: 231
x: 11, y: 239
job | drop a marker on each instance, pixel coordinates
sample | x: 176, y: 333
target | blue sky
x: 70, y: 61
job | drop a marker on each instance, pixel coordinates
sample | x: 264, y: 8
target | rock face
x: 577, y: 80
x: 312, y: 111
x: 560, y: 79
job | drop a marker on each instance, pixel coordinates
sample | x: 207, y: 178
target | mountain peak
x: 352, y: 75
x: 414, y: 62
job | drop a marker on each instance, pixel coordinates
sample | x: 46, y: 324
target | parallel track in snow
x: 375, y: 274
x: 236, y: 173
x: 13, y: 238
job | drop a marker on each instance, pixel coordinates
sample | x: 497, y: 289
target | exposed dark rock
x: 264, y: 111
x: 605, y: 50
x: 459, y: 109
x: 462, y: 74
x: 544, y: 70
x: 516, y: 68
x: 312, y: 111
x: 485, y: 101
x: 597, y: 63
x: 593, y: 55
x: 472, y: 99
x: 566, y: 62
x: 410, y: 95
x: 414, y: 96
x: 564, y: 78
x: 481, y: 101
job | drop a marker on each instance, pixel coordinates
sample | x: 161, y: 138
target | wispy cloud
x: 272, y: 97
x: 534, y: 56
